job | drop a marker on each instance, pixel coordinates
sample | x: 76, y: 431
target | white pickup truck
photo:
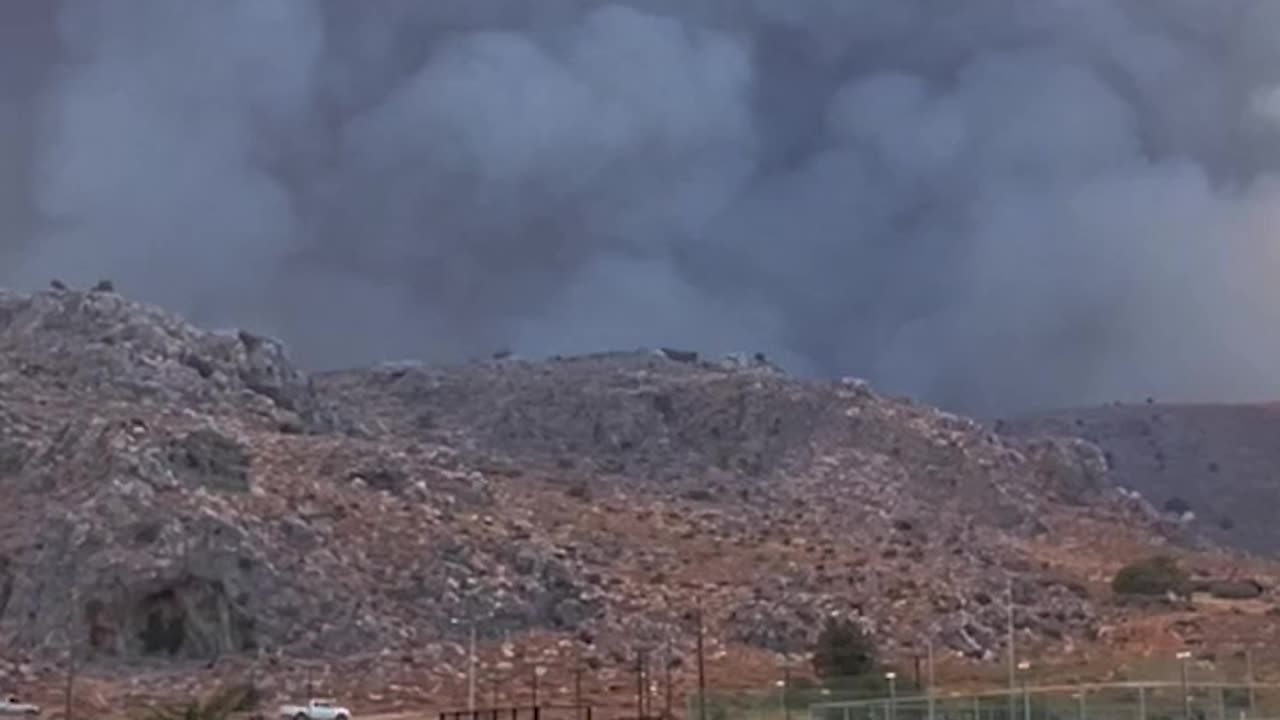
x: 315, y: 709
x: 13, y: 706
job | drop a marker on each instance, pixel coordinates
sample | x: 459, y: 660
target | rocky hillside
x: 179, y: 496
x: 1216, y: 464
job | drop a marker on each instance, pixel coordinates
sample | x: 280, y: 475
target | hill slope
x: 1221, y: 462
x: 183, y: 496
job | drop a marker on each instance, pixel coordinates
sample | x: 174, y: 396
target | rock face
x: 180, y: 494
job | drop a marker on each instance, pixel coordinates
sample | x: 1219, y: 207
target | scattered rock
x: 208, y: 459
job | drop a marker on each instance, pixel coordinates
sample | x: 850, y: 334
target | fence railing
x: 1150, y: 700
x: 531, y: 712
x: 874, y: 699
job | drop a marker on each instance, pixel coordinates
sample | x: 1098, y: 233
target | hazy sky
x: 990, y: 204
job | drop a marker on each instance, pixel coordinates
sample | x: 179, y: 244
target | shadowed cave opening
x: 192, y: 618
x: 164, y: 629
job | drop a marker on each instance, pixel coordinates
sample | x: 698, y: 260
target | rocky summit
x: 178, y: 501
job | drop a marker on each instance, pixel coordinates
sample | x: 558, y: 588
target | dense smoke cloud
x: 992, y: 204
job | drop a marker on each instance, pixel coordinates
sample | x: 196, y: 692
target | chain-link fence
x: 1112, y: 701
x: 1209, y: 687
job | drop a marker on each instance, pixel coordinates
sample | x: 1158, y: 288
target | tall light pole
x: 471, y: 664
x: 1248, y: 666
x: 471, y: 669
x: 1183, y: 657
x: 1023, y: 668
x: 640, y: 689
x: 929, y: 650
x: 786, y: 689
x: 646, y: 701
x: 538, y: 672
x: 577, y: 681
x: 666, y: 680
x: 702, y: 670
x: 1013, y: 654
x: 892, y: 677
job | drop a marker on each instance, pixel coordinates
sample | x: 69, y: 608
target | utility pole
x: 639, y: 684
x: 577, y: 681
x: 71, y: 650
x: 648, y: 682
x: 666, y: 681
x: 71, y: 681
x: 534, y: 683
x: 1248, y: 665
x: 1012, y: 651
x: 1025, y: 668
x: 471, y: 670
x: 1183, y: 657
x: 786, y: 690
x: 929, y: 653
x: 494, y: 682
x: 702, y: 671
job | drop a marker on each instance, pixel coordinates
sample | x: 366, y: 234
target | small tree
x: 843, y: 650
x: 1153, y: 576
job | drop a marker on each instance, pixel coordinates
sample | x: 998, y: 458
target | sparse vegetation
x: 1153, y: 576
x: 534, y: 556
x: 1235, y: 589
x: 219, y: 705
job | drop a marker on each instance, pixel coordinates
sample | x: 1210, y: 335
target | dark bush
x: 1177, y: 506
x: 579, y: 490
x: 1157, y: 575
x: 843, y: 650
x: 698, y: 495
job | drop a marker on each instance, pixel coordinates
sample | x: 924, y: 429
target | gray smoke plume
x: 992, y: 204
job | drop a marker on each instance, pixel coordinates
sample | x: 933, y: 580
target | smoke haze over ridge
x: 991, y: 204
